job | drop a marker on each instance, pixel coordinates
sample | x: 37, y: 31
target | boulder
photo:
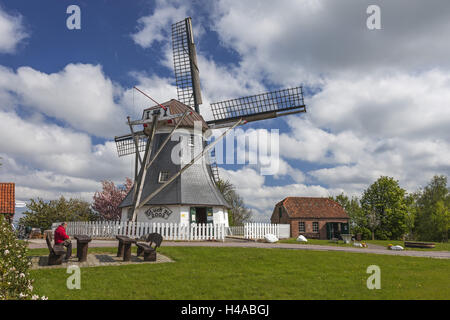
x: 302, y: 238
x: 271, y: 238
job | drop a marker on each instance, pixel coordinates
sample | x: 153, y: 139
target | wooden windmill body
x: 174, y: 179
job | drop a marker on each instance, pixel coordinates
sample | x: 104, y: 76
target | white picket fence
x: 259, y: 230
x: 169, y: 231
x: 236, y: 231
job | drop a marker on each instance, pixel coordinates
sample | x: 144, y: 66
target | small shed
x: 314, y: 218
x: 7, y: 200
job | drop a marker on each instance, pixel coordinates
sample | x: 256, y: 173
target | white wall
x: 180, y: 214
x: 142, y: 217
x: 173, y: 218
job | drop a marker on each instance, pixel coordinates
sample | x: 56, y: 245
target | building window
x: 315, y: 227
x: 191, y: 145
x: 301, y: 227
x: 129, y: 214
x: 163, y: 176
x: 191, y: 140
x: 280, y: 212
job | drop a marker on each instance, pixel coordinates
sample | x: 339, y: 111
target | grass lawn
x: 253, y: 273
x: 439, y: 245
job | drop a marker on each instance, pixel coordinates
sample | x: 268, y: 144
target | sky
x: 377, y: 99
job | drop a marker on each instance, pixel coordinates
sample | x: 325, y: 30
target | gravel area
x: 96, y: 260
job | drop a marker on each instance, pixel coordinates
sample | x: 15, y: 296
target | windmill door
x: 201, y: 215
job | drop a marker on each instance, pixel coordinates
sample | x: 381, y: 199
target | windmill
x: 165, y: 191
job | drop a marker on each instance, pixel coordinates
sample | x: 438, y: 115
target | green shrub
x: 15, y: 281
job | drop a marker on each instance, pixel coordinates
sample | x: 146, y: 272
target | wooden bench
x: 147, y: 249
x: 426, y: 245
x: 57, y: 252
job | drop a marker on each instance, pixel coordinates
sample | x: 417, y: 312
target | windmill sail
x: 185, y: 64
x: 259, y: 107
x: 126, y: 146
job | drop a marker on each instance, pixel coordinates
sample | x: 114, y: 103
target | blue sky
x: 377, y: 100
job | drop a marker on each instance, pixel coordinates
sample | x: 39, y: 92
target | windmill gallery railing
x: 169, y: 231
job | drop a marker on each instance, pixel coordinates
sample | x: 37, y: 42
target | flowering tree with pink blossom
x: 15, y: 280
x: 107, y: 202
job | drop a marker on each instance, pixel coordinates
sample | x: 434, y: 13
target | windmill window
x: 129, y: 214
x: 191, y: 140
x: 191, y: 143
x: 163, y: 176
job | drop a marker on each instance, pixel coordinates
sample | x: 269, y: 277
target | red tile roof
x: 7, y: 198
x: 176, y: 107
x: 305, y: 207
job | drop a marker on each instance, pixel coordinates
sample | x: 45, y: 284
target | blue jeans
x: 68, y: 244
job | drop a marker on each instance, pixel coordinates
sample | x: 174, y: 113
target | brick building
x: 7, y: 200
x: 315, y: 218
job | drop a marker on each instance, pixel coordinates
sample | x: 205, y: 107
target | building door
x: 329, y: 230
x: 201, y: 215
x: 332, y: 230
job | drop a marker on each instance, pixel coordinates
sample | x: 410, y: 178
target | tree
x: 384, y: 204
x: 15, y: 280
x: 411, y: 203
x: 107, y: 202
x: 358, y: 221
x: 432, y: 220
x: 42, y: 214
x: 239, y: 213
x: 373, y: 221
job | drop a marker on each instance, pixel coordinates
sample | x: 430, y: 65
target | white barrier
x: 169, y: 231
x: 259, y: 230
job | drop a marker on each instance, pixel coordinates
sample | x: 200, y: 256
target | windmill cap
x: 177, y: 107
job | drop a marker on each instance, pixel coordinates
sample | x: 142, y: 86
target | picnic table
x: 82, y: 246
x: 124, y: 248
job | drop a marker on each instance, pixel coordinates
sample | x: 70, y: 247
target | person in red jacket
x: 61, y: 238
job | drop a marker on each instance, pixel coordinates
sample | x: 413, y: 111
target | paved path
x: 250, y: 244
x: 95, y: 260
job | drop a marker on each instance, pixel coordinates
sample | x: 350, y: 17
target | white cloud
x: 12, y: 31
x: 287, y: 42
x: 80, y: 95
x: 395, y: 125
x: 47, y: 160
x: 400, y: 104
x: 157, y: 26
